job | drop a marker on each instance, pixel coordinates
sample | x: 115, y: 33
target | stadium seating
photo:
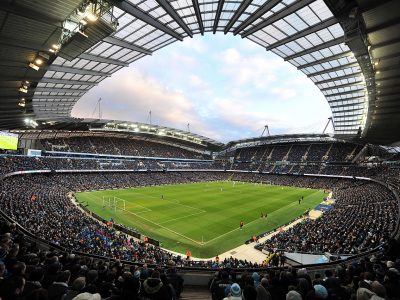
x: 119, y: 146
x: 363, y: 217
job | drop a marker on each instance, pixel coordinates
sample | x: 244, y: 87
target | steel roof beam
x: 47, y: 80
x: 23, y: 44
x: 103, y: 59
x: 343, y: 93
x: 37, y: 97
x: 59, y: 90
x: 243, y: 6
x: 387, y: 78
x: 348, y: 110
x: 303, y: 33
x: 341, y: 86
x: 338, y: 68
x: 133, y: 10
x: 30, y: 14
x: 256, y: 15
x: 324, y: 60
x: 338, y: 78
x: 218, y: 15
x: 175, y: 16
x: 387, y: 68
x: 347, y: 125
x: 384, y: 44
x: 123, y: 44
x: 198, y: 15
x: 345, y: 99
x: 383, y: 25
x: 58, y: 68
x: 316, y: 48
x: 276, y: 17
x: 66, y: 81
x: 343, y: 105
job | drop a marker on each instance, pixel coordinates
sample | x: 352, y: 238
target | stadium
x: 95, y: 208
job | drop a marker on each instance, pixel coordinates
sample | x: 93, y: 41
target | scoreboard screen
x: 8, y: 140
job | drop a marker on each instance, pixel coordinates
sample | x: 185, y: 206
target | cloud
x: 131, y: 96
x: 195, y: 44
x: 284, y: 93
x: 224, y: 87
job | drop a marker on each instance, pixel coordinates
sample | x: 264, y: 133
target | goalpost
x: 114, y: 203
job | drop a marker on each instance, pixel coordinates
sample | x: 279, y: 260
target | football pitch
x: 203, y: 217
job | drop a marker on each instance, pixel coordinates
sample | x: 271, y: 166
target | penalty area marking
x: 170, y: 201
x: 146, y: 209
x: 198, y: 213
x: 166, y: 228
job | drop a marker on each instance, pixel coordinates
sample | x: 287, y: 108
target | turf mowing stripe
x: 173, y: 231
x: 134, y: 203
x: 178, y: 202
x: 205, y: 243
x: 164, y: 227
x: 272, y: 213
x: 201, y: 212
x: 183, y: 225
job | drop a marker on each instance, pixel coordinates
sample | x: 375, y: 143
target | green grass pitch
x: 203, y: 217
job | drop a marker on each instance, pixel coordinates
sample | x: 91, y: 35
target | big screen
x: 8, y: 140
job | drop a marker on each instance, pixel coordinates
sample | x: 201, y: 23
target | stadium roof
x: 282, y: 138
x: 349, y: 49
x: 96, y: 127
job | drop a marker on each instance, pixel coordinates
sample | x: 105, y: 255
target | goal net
x: 114, y: 203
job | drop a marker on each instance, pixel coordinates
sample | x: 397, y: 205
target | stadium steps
x: 195, y: 293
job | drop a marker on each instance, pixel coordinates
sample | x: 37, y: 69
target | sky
x: 227, y: 88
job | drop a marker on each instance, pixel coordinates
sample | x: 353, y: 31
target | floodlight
x: 91, y: 16
x: 23, y: 89
x: 33, y: 66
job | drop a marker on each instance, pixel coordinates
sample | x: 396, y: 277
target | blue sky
x: 226, y: 87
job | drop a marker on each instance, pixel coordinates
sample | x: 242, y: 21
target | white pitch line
x: 177, y: 233
x: 228, y: 232
x: 142, y: 211
x: 178, y: 203
x: 134, y: 203
x: 283, y: 207
x: 201, y: 212
x: 166, y: 228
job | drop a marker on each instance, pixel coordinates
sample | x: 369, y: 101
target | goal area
x: 114, y: 203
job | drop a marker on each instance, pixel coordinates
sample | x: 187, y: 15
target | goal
x: 114, y: 203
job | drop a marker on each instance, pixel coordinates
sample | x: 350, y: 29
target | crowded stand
x: 279, y: 152
x: 10, y: 164
x: 31, y: 272
x: 119, y: 146
x: 352, y: 200
x: 52, y: 207
x: 362, y: 218
x: 41, y: 203
x: 317, y: 152
x: 343, y: 152
x: 297, y: 152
